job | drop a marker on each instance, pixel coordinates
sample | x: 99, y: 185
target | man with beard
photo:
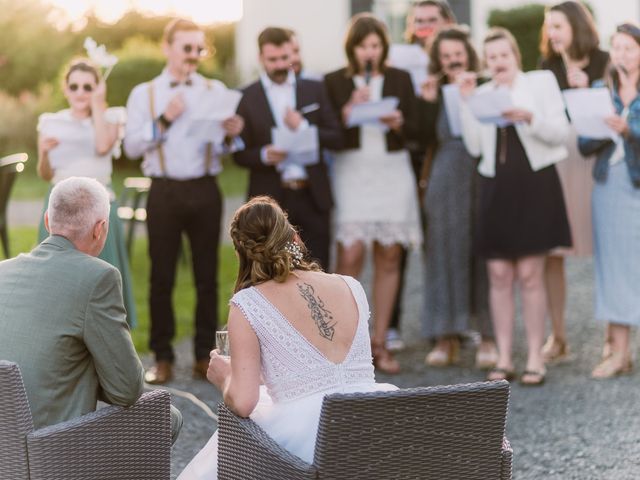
x: 424, y: 20
x: 184, y: 194
x: 281, y: 100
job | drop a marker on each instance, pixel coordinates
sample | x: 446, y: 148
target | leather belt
x: 295, y: 184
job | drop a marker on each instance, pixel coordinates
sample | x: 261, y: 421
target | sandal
x: 501, y: 374
x: 555, y: 350
x: 383, y: 360
x: 486, y: 356
x: 538, y: 378
x: 445, y: 353
x: 615, y: 364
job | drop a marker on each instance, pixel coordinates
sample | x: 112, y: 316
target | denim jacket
x: 605, y: 148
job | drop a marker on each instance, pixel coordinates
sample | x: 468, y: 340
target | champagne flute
x: 222, y: 343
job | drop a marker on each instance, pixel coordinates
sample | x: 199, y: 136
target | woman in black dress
x: 522, y: 214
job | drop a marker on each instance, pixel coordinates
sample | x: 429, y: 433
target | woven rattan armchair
x: 449, y: 432
x: 113, y: 443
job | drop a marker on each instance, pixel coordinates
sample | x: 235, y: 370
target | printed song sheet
x: 588, y: 108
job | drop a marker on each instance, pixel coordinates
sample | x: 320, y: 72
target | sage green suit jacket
x: 62, y: 320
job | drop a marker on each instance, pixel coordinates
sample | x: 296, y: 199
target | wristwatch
x: 164, y: 121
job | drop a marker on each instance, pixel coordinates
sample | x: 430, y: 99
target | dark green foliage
x: 525, y: 24
x: 31, y: 48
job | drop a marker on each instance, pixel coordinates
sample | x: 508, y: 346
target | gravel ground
x: 570, y: 428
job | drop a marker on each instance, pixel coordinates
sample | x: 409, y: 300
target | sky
x: 200, y: 11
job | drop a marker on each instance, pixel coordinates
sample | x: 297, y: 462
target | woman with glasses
x: 616, y: 207
x: 456, y: 285
x: 570, y: 51
x: 80, y: 141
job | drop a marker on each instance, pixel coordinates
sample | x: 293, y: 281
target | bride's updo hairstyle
x: 268, y: 246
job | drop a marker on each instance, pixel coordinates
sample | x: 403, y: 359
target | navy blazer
x: 255, y: 109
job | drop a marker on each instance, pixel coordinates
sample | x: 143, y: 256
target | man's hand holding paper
x: 300, y: 147
x: 216, y: 117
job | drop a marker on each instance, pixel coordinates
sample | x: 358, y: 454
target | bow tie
x: 175, y: 83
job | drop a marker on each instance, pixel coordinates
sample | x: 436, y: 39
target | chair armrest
x: 507, y: 460
x: 246, y: 452
x: 111, y: 443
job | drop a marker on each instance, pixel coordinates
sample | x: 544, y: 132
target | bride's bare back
x: 320, y: 307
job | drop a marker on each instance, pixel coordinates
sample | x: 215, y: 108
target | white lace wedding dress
x: 297, y: 377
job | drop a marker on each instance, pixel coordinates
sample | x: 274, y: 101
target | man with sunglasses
x: 184, y: 194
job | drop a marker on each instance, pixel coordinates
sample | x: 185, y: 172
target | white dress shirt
x: 184, y: 155
x: 281, y: 97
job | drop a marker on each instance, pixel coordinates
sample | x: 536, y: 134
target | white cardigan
x: 543, y: 139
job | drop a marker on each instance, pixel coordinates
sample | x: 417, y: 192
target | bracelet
x: 166, y: 123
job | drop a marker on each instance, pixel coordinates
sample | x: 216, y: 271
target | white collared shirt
x: 184, y: 155
x: 281, y: 97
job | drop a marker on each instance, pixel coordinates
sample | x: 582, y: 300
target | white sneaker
x: 394, y: 341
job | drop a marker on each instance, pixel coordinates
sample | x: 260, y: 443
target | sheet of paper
x: 412, y: 58
x: 451, y: 97
x: 370, y: 112
x: 62, y: 129
x: 302, y: 140
x: 218, y: 104
x: 487, y: 106
x: 302, y: 145
x: 588, y: 108
x: 206, y: 130
x: 73, y: 142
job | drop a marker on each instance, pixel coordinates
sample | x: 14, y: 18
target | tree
x: 32, y: 48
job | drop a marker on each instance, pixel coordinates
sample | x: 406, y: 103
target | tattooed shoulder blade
x: 322, y: 317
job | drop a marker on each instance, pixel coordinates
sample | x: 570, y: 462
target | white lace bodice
x: 292, y: 366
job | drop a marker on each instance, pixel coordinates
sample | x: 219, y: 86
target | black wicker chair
x: 10, y: 166
x: 113, y: 443
x: 448, y: 432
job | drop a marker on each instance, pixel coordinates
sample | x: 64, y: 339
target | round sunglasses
x: 87, y: 87
x: 199, y: 49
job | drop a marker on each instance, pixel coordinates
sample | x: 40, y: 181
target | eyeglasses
x: 87, y: 87
x: 201, y: 51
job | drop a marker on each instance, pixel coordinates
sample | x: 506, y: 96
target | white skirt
x: 375, y: 194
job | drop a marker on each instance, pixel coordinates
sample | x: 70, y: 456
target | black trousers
x: 195, y: 208
x: 312, y: 223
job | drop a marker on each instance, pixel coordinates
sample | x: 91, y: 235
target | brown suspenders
x: 208, y: 149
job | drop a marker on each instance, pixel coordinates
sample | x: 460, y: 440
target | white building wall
x: 608, y: 14
x: 320, y: 26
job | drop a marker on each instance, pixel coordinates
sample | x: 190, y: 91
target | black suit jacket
x: 397, y: 83
x: 265, y: 179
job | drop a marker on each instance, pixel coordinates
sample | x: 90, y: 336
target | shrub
x: 524, y: 23
x: 18, y: 131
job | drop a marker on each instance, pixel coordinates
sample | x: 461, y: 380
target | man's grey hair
x: 76, y: 204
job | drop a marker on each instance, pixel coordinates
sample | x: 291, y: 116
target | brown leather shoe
x: 200, y: 368
x: 160, y: 373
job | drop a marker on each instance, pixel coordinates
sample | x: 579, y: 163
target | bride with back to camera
x: 304, y: 330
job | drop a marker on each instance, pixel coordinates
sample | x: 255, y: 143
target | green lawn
x: 233, y: 183
x: 28, y: 186
x: 23, y: 239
